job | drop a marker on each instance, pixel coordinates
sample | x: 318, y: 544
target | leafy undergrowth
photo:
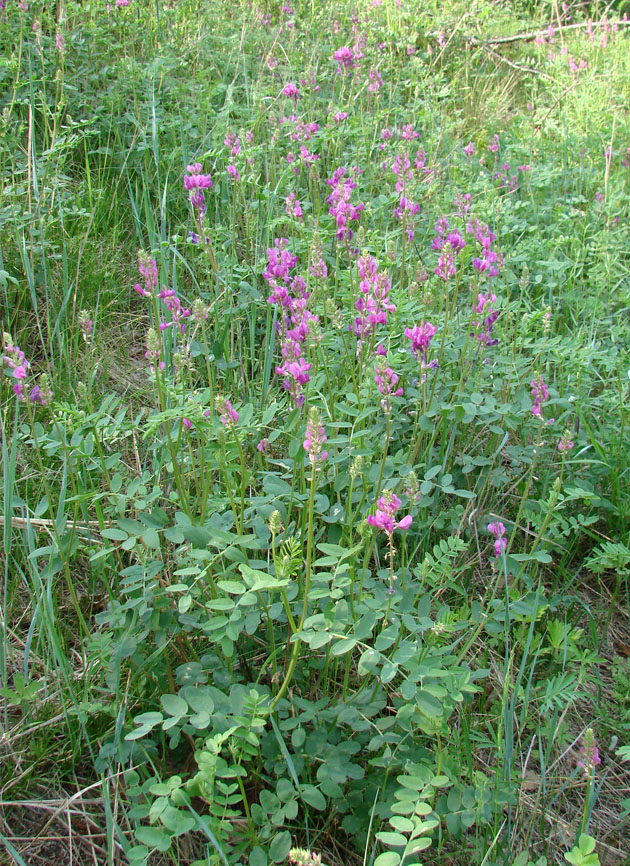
x: 315, y: 510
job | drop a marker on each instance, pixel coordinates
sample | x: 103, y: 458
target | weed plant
x: 316, y: 523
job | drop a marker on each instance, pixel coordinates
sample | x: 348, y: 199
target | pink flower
x: 500, y: 545
x: 566, y: 442
x: 376, y: 81
x: 420, y: 336
x: 540, y: 394
x: 291, y: 91
x: 293, y: 208
x: 345, y: 59
x: 386, y: 381
x: 384, y: 518
x: 315, y: 437
x: 227, y: 413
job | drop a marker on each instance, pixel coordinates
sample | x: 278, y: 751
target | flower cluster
x: 498, y: 530
x: 315, y: 437
x: 385, y: 517
x: 449, y: 244
x: 293, y: 208
x: 178, y: 312
x: 483, y: 328
x: 345, y: 59
x: 540, y: 394
x: 589, y: 753
x: 18, y: 367
x: 375, y: 81
x: 404, y: 173
x: 303, y: 857
x: 232, y: 141
x: 294, y: 321
x: 420, y: 336
x: 154, y: 350
x: 339, y: 200
x: 195, y: 182
x: 227, y: 413
x: 373, y: 303
x: 318, y: 267
x: 148, y: 269
x: 87, y: 325
x: 489, y: 261
x: 291, y: 90
x: 386, y: 381
x: 566, y: 442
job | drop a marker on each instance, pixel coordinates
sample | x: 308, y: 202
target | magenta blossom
x: 291, y: 90
x: 589, y: 753
x: 227, y: 413
x: 420, y: 336
x: 339, y: 200
x: 386, y: 381
x: 345, y: 59
x: 293, y: 208
x: 498, y: 530
x: 540, y: 394
x: 195, y: 182
x: 373, y: 303
x: 386, y: 508
x: 566, y: 442
x: 315, y: 437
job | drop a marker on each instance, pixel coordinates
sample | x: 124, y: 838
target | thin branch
x: 531, y: 35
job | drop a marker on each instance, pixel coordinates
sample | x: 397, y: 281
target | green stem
x: 307, y: 584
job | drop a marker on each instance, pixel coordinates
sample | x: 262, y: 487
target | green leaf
x: 198, y: 699
x: 232, y: 586
x: 428, y: 704
x: 280, y: 846
x: 177, y: 821
x: 388, y: 672
x: 257, y: 856
x: 343, y: 646
x: 154, y: 838
x: 394, y: 839
x: 260, y: 580
x: 313, y: 796
x: 368, y: 662
x: 403, y: 825
x: 174, y: 705
x: 387, y: 858
x: 114, y: 534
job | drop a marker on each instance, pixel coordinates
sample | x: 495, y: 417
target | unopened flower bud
x: 356, y: 468
x: 275, y: 523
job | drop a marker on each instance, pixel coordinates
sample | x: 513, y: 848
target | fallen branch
x: 531, y: 35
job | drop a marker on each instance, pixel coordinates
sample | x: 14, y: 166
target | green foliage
x: 211, y: 614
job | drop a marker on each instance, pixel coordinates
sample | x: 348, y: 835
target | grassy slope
x: 92, y: 160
